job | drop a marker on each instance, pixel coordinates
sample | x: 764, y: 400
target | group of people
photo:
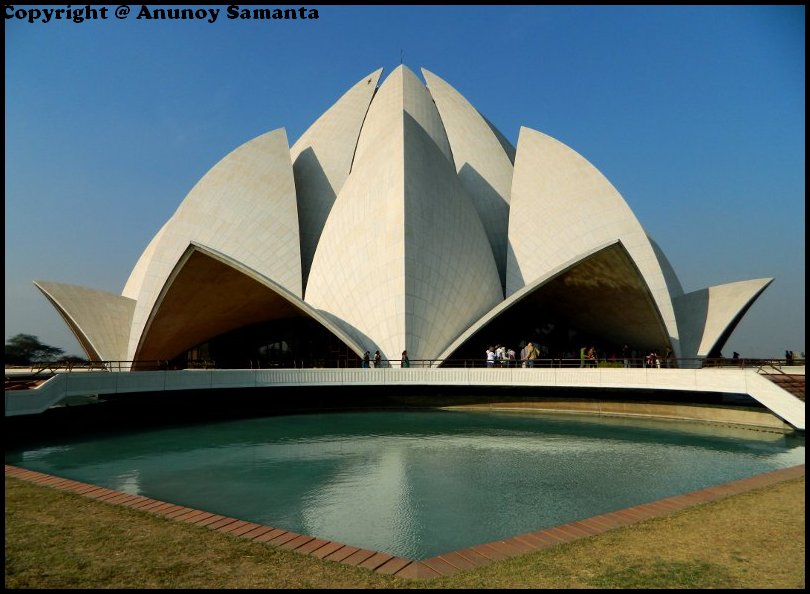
x: 587, y: 356
x: 367, y: 360
x: 501, y: 356
x: 378, y: 361
x: 653, y: 359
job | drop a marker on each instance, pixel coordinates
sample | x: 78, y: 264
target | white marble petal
x: 404, y: 260
x: 561, y: 206
x: 99, y: 320
x: 322, y: 159
x: 706, y: 317
x: 243, y: 207
x: 482, y: 163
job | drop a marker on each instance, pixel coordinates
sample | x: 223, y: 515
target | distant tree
x: 71, y: 359
x: 25, y: 349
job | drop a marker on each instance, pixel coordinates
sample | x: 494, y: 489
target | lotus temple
x: 401, y: 220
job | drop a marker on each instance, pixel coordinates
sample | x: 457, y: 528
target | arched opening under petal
x: 211, y: 310
x: 600, y: 301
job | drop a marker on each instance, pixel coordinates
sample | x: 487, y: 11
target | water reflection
x: 417, y: 484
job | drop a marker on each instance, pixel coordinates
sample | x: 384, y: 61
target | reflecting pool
x: 416, y: 484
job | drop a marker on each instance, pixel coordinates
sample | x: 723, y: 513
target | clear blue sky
x: 695, y: 114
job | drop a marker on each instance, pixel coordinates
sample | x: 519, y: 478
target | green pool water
x: 415, y: 484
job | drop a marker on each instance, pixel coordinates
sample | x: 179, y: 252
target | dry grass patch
x: 61, y: 540
x: 752, y: 540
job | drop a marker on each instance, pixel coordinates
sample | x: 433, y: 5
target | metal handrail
x: 39, y: 370
x: 54, y: 366
x: 761, y: 368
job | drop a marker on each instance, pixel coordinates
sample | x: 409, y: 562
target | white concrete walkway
x: 723, y: 380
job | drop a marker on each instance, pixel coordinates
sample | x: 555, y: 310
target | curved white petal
x: 99, y: 320
x: 707, y: 317
x: 244, y: 207
x: 403, y: 257
x: 209, y: 294
x: 136, y: 277
x: 600, y: 292
x: 483, y: 166
x: 562, y: 206
x: 322, y: 159
x: 672, y: 280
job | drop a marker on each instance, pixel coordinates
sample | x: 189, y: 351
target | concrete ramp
x: 778, y: 400
x: 36, y: 400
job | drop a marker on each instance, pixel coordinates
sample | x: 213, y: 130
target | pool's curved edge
x: 441, y: 565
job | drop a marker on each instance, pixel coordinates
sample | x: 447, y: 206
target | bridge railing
x: 41, y: 371
x: 46, y: 369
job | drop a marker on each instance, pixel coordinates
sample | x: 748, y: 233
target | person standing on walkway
x: 405, y: 361
x: 366, y: 358
x: 531, y: 354
x: 500, y: 355
x: 490, y: 355
x: 377, y: 359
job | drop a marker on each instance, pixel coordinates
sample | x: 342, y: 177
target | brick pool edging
x: 384, y: 563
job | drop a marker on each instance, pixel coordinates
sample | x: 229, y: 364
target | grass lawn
x: 61, y: 540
